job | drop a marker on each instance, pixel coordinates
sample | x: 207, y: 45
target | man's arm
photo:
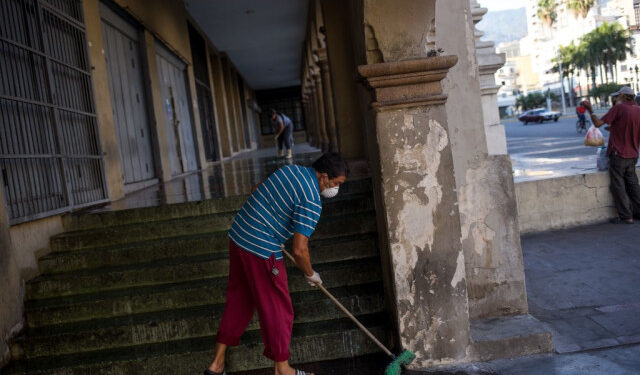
x: 281, y: 128
x: 301, y: 253
x: 597, y: 122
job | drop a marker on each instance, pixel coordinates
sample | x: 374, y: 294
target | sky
x: 494, y: 5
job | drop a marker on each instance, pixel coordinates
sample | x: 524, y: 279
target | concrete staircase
x: 142, y: 291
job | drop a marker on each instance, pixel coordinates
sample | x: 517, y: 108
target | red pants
x: 253, y: 285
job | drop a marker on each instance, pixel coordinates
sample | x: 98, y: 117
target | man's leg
x: 287, y: 137
x: 281, y: 144
x: 275, y: 312
x: 616, y: 173
x: 632, y: 187
x: 238, y: 309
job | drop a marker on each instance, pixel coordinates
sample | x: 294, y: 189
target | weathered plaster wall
x: 11, y: 294
x: 564, y: 202
x: 30, y: 241
x: 20, y: 248
x: 423, y: 228
x: 488, y: 215
x: 417, y: 184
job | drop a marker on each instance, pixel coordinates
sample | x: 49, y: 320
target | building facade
x: 106, y: 97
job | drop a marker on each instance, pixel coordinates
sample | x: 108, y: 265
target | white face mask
x: 330, y: 192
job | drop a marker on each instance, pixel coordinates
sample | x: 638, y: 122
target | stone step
x: 135, y: 300
x: 181, y: 324
x: 96, y: 220
x: 311, y: 342
x: 169, y: 270
x: 147, y: 231
x: 508, y: 337
x: 181, y: 246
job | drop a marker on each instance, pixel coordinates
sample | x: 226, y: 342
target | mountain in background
x: 504, y: 25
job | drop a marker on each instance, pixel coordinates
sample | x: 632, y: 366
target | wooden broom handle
x: 344, y: 309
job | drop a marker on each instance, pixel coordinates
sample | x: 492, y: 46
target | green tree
x: 567, y: 56
x: 580, y: 7
x: 601, y: 50
x: 531, y: 100
x: 603, y: 92
x: 547, y: 11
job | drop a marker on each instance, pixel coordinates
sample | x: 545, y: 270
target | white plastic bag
x: 594, y: 137
x: 602, y: 160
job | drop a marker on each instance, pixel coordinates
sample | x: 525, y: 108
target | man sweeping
x: 286, y: 204
x: 284, y: 132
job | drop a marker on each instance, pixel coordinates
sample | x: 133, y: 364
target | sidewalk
x: 584, y: 284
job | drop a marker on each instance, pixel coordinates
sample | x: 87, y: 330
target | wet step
x: 135, y: 300
x: 97, y: 220
x: 315, y: 341
x: 205, y: 266
x: 118, y: 235
x: 182, y: 324
x: 182, y: 246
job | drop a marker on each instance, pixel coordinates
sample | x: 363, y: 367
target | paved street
x: 550, y: 149
x: 583, y: 284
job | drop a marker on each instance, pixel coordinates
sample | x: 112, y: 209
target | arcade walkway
x: 235, y: 176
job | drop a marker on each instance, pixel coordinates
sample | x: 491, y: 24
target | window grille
x: 50, y: 152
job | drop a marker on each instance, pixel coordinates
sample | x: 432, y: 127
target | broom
x: 404, y: 358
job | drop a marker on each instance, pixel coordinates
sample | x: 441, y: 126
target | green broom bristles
x: 404, y: 358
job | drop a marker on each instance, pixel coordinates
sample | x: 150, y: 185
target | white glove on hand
x: 314, y: 279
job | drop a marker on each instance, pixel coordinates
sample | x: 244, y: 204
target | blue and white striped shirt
x: 286, y: 202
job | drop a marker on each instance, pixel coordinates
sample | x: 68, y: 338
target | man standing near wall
x: 286, y: 204
x: 624, y: 141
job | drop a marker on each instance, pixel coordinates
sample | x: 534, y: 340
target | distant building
x: 542, y: 41
x: 516, y: 78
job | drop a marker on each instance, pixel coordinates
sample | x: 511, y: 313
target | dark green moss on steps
x: 179, y: 324
x: 175, y: 247
x: 134, y: 300
x: 167, y: 270
x: 84, y: 221
x: 311, y: 342
x: 123, y: 234
x: 136, y: 291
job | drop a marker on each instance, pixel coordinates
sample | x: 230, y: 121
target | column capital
x: 408, y: 83
x: 321, y: 56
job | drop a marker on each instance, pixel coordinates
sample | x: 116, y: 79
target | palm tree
x: 547, y: 12
x: 580, y: 7
x: 614, y: 45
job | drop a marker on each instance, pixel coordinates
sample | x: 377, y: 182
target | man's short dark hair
x: 332, y: 164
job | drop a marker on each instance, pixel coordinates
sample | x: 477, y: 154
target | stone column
x: 329, y: 112
x: 488, y: 64
x: 486, y: 193
x: 320, y: 112
x: 420, y: 206
x: 317, y: 142
x: 307, y: 120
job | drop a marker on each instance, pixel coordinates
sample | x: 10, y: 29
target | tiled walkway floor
x: 234, y: 176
